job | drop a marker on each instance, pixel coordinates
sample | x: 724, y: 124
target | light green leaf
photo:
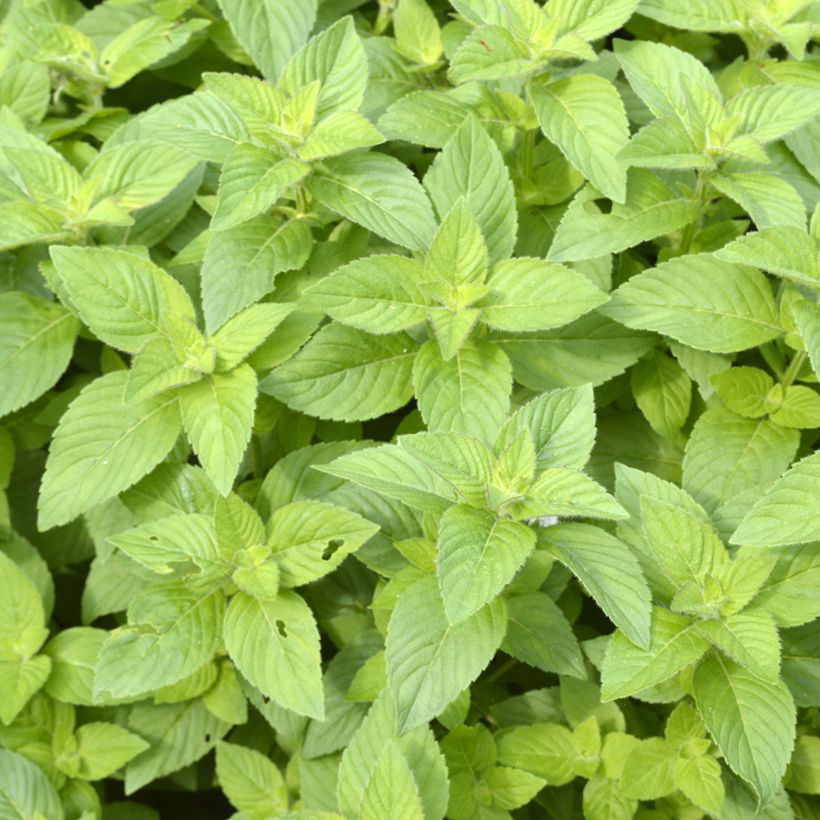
x: 768, y: 199
x: 378, y: 192
x: 770, y: 112
x: 592, y: 19
x: 103, y: 446
x: 103, y: 748
x: 275, y: 645
x: 179, y: 734
x: 471, y: 166
x: 664, y: 143
x: 135, y: 174
x: 748, y: 638
x: 25, y: 791
x: 651, y: 209
x: 807, y: 317
x: 430, y: 661
x: 547, y: 750
x: 674, y: 644
x: 378, y: 294
x: 27, y: 223
x: 73, y: 654
x: 751, y: 721
x: 649, y: 770
x: 36, y: 342
x: 700, y: 301
x: 26, y: 89
x: 584, y: 116
x: 663, y: 392
x: 346, y: 375
x: 242, y: 262
x: 339, y: 133
x: 727, y: 455
x: 468, y: 394
x: 530, y: 294
x: 171, y: 632
x: 788, y: 512
x: 609, y: 572
x: 530, y: 618
x: 565, y: 492
x: 789, y: 593
x: 783, y: 250
x: 490, y: 53
x: 744, y: 390
x: 124, y: 298
x: 335, y: 57
x: 250, y: 781
x: 803, y: 774
x: 269, y: 31
x: 245, y: 331
x: 478, y: 555
x: 217, y: 412
x: 310, y: 539
x: 699, y: 778
x: 391, y: 790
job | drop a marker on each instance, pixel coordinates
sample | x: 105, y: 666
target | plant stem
x: 501, y: 670
x: 793, y: 369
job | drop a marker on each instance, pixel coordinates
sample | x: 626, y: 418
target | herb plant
x: 408, y: 409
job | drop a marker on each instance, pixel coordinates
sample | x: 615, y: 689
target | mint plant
x: 409, y: 409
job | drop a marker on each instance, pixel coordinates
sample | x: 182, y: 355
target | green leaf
x: 727, y: 455
x: 244, y: 332
x: 663, y: 392
x: 378, y: 192
x: 179, y: 734
x: 25, y: 88
x: 544, y: 749
x: 73, y: 654
x: 699, y: 778
x: 609, y: 572
x: 490, y: 53
x: 124, y: 298
x: 135, y: 174
x: 217, y: 412
x: 471, y: 166
x: 592, y: 19
x: 584, y: 116
x: 25, y: 791
x: 478, y: 555
x: 171, y: 632
x: 346, y: 375
x: 628, y: 669
x: 744, y: 390
x: 807, y: 317
x: 530, y: 294
x: 700, y: 301
x: 787, y: 512
x: 242, y: 263
x: 565, y: 492
x: 36, y: 342
x: 103, y: 446
x: 103, y: 748
x: 769, y: 112
x: 391, y: 790
x: 467, y: 394
x: 530, y: 618
x: 310, y: 539
x: 803, y: 774
x: 664, y: 143
x: 651, y: 209
x: 26, y: 223
x: 768, y: 199
x: 250, y: 781
x: 748, y: 638
x: 269, y: 31
x: 789, y: 592
x: 275, y: 645
x: 430, y: 661
x: 378, y: 294
x: 783, y: 250
x: 335, y: 57
x: 649, y: 770
x: 751, y: 721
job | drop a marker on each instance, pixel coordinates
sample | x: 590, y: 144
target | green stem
x: 501, y: 670
x: 793, y: 369
x: 692, y: 228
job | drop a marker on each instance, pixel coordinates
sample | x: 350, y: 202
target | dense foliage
x: 407, y: 409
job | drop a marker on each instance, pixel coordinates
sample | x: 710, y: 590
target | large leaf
x: 584, y: 116
x: 289, y: 670
x: 25, y: 791
x: 609, y: 572
x: 103, y: 446
x: 789, y: 512
x: 700, y: 301
x: 753, y: 722
x: 36, y: 342
x: 269, y: 31
x: 430, y: 661
x: 346, y: 374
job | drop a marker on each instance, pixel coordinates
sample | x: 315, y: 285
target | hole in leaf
x: 280, y: 625
x: 332, y: 546
x: 153, y: 538
x: 208, y: 738
x: 604, y: 205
